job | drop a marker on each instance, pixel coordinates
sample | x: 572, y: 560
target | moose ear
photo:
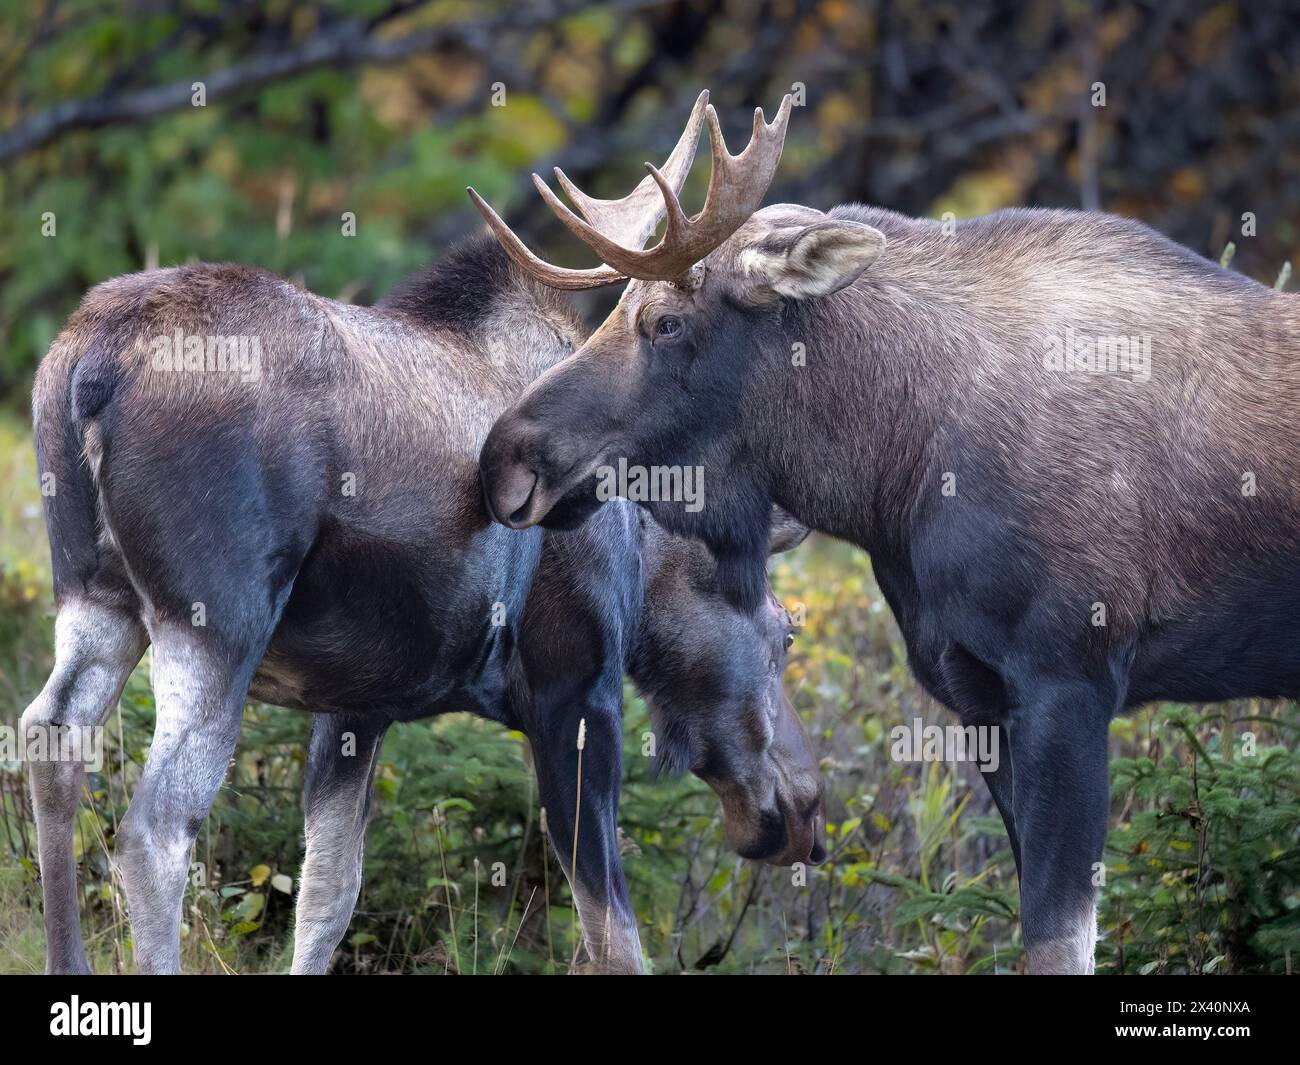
x: 786, y: 532
x: 815, y: 260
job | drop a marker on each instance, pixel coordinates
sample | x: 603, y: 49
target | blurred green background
x: 387, y: 110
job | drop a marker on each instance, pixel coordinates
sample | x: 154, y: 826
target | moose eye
x: 789, y: 640
x: 668, y: 327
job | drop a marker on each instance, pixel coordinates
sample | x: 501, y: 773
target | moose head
x: 712, y: 678
x: 666, y: 378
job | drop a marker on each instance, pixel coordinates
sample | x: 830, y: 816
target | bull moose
x: 1062, y: 530
x: 309, y: 527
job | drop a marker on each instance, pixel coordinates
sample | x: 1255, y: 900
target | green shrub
x: 1203, y: 868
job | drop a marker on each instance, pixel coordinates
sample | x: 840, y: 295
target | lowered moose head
x: 667, y: 379
x: 712, y: 677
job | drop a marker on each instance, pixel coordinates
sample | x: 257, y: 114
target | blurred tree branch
x: 345, y: 44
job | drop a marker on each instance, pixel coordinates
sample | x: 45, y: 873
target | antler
x: 616, y: 229
x: 631, y: 220
x: 737, y: 184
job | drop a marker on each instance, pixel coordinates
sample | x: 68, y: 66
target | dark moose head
x: 664, y: 381
x: 712, y: 677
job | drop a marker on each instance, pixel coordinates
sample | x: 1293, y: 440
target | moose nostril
x: 770, y: 839
x: 515, y: 492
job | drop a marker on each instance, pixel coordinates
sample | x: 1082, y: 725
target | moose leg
x: 600, y: 891
x: 1061, y: 803
x: 96, y: 647
x: 979, y: 696
x: 340, y: 778
x: 1001, y: 785
x: 199, y: 684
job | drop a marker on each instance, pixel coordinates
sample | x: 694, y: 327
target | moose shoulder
x: 1066, y: 441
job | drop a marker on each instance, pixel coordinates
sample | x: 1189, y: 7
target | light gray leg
x: 1072, y: 955
x: 609, y: 933
x: 199, y: 696
x: 96, y: 647
x: 340, y: 779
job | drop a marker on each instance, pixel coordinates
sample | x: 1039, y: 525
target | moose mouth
x: 786, y: 839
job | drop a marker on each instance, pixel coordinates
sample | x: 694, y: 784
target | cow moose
x: 1066, y: 442
x: 309, y: 527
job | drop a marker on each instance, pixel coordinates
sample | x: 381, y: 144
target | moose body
x: 1057, y: 541
x: 311, y: 530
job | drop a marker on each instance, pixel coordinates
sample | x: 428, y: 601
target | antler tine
x: 608, y: 250
x: 773, y: 132
x: 717, y: 143
x: 631, y: 221
x: 677, y: 221
x: 553, y: 276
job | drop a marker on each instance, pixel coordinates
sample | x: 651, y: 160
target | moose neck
x: 531, y: 329
x: 858, y: 419
x: 474, y: 294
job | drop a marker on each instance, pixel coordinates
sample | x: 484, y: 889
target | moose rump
x: 178, y: 517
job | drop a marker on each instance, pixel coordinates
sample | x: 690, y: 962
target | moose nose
x: 511, y: 473
x: 514, y: 493
x: 509, y: 480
